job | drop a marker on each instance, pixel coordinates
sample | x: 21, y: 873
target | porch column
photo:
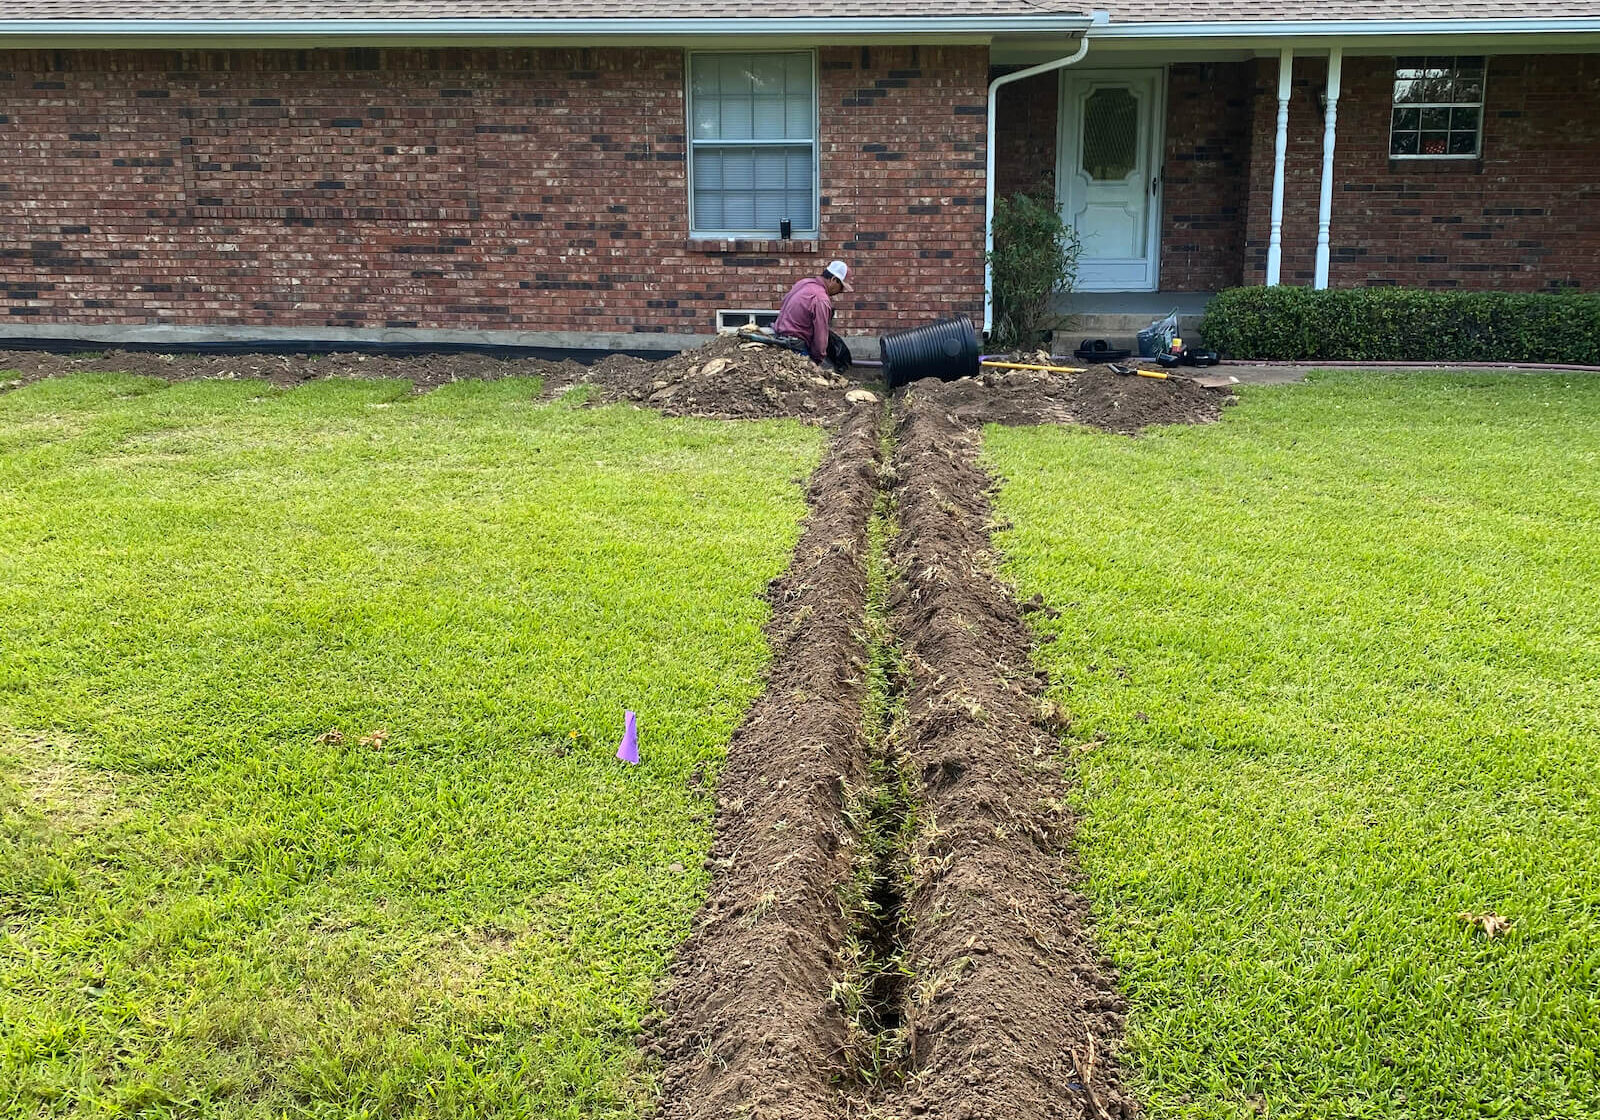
x: 1330, y: 119
x: 1280, y: 149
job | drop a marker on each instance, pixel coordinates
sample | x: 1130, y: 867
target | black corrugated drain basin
x: 947, y: 349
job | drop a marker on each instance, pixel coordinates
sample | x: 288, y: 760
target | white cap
x: 840, y: 272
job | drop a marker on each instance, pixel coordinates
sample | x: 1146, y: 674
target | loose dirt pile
x: 424, y: 371
x: 749, y: 1029
x: 728, y: 378
x: 1013, y: 1013
x: 1096, y: 397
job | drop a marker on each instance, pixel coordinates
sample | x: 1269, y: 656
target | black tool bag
x: 838, y: 352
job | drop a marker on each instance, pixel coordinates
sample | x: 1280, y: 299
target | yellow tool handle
x: 1021, y: 365
x: 1157, y: 374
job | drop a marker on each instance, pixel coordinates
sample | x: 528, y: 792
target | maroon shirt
x: 806, y: 313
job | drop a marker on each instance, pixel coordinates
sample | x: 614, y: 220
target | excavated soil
x: 727, y: 378
x: 1013, y: 1013
x: 1097, y: 397
x: 424, y: 371
x: 749, y: 1029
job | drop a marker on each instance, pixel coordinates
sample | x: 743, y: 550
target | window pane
x: 708, y: 210
x: 767, y: 118
x: 703, y: 75
x: 735, y: 118
x: 1463, y: 143
x: 1434, y: 143
x: 1407, y: 92
x: 797, y: 118
x: 735, y: 75
x: 738, y: 169
x: 1470, y: 62
x: 1403, y: 144
x: 799, y: 174
x: 1464, y: 119
x: 1470, y: 92
x: 1110, y: 134
x: 707, y: 169
x: 707, y: 117
x: 1436, y: 118
x: 797, y: 75
x: 764, y: 73
x: 738, y: 210
x: 1407, y: 119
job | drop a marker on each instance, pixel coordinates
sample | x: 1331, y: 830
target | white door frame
x: 1067, y: 148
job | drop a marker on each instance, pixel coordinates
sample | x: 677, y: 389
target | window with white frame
x: 752, y: 144
x: 1438, y: 108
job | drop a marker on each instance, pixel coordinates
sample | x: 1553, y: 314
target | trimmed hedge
x: 1403, y: 325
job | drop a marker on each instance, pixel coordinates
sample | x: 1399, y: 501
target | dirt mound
x: 749, y: 1029
x: 1013, y: 1012
x: 424, y: 371
x: 1096, y: 397
x: 728, y: 378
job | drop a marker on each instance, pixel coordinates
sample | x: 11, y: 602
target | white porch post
x: 1330, y: 118
x: 1279, y: 151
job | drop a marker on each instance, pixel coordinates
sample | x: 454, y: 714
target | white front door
x: 1108, y: 177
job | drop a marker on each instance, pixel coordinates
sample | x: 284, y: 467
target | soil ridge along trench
x: 1012, y: 1012
x: 750, y: 1028
x: 894, y: 929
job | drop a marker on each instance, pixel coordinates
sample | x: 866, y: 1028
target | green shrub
x: 1035, y: 259
x: 1403, y: 325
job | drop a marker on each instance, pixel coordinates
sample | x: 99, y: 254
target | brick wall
x: 1205, y: 175
x: 1025, y: 136
x: 492, y: 189
x: 1525, y: 217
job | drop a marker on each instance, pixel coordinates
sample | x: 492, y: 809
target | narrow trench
x: 882, y: 816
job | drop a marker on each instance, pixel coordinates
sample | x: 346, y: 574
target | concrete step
x: 1119, y: 331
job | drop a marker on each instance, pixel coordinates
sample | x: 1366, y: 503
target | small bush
x: 1035, y: 259
x: 1403, y: 325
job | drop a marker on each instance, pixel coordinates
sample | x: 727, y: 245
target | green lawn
x: 1334, y: 665
x: 208, y: 909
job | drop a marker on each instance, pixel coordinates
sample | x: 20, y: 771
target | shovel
x: 1135, y: 371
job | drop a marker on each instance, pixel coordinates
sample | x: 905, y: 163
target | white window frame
x: 1483, y: 100
x: 698, y: 234
x: 731, y: 319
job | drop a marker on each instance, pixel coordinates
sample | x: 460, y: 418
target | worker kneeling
x: 806, y: 315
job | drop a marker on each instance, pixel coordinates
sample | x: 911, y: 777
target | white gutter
x: 589, y: 29
x: 1100, y: 19
x: 1346, y: 28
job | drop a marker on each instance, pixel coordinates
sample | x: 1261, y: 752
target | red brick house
x: 563, y: 172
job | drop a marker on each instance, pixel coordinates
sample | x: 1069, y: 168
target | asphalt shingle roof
x: 519, y: 9
x: 1254, y: 11
x: 1122, y: 11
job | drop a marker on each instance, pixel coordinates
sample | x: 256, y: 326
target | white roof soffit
x: 1346, y: 31
x: 809, y: 29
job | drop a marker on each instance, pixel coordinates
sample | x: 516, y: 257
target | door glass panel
x: 1110, y: 134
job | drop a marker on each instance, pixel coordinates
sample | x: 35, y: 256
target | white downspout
x: 988, y: 193
x: 1330, y: 118
x: 1279, y: 153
